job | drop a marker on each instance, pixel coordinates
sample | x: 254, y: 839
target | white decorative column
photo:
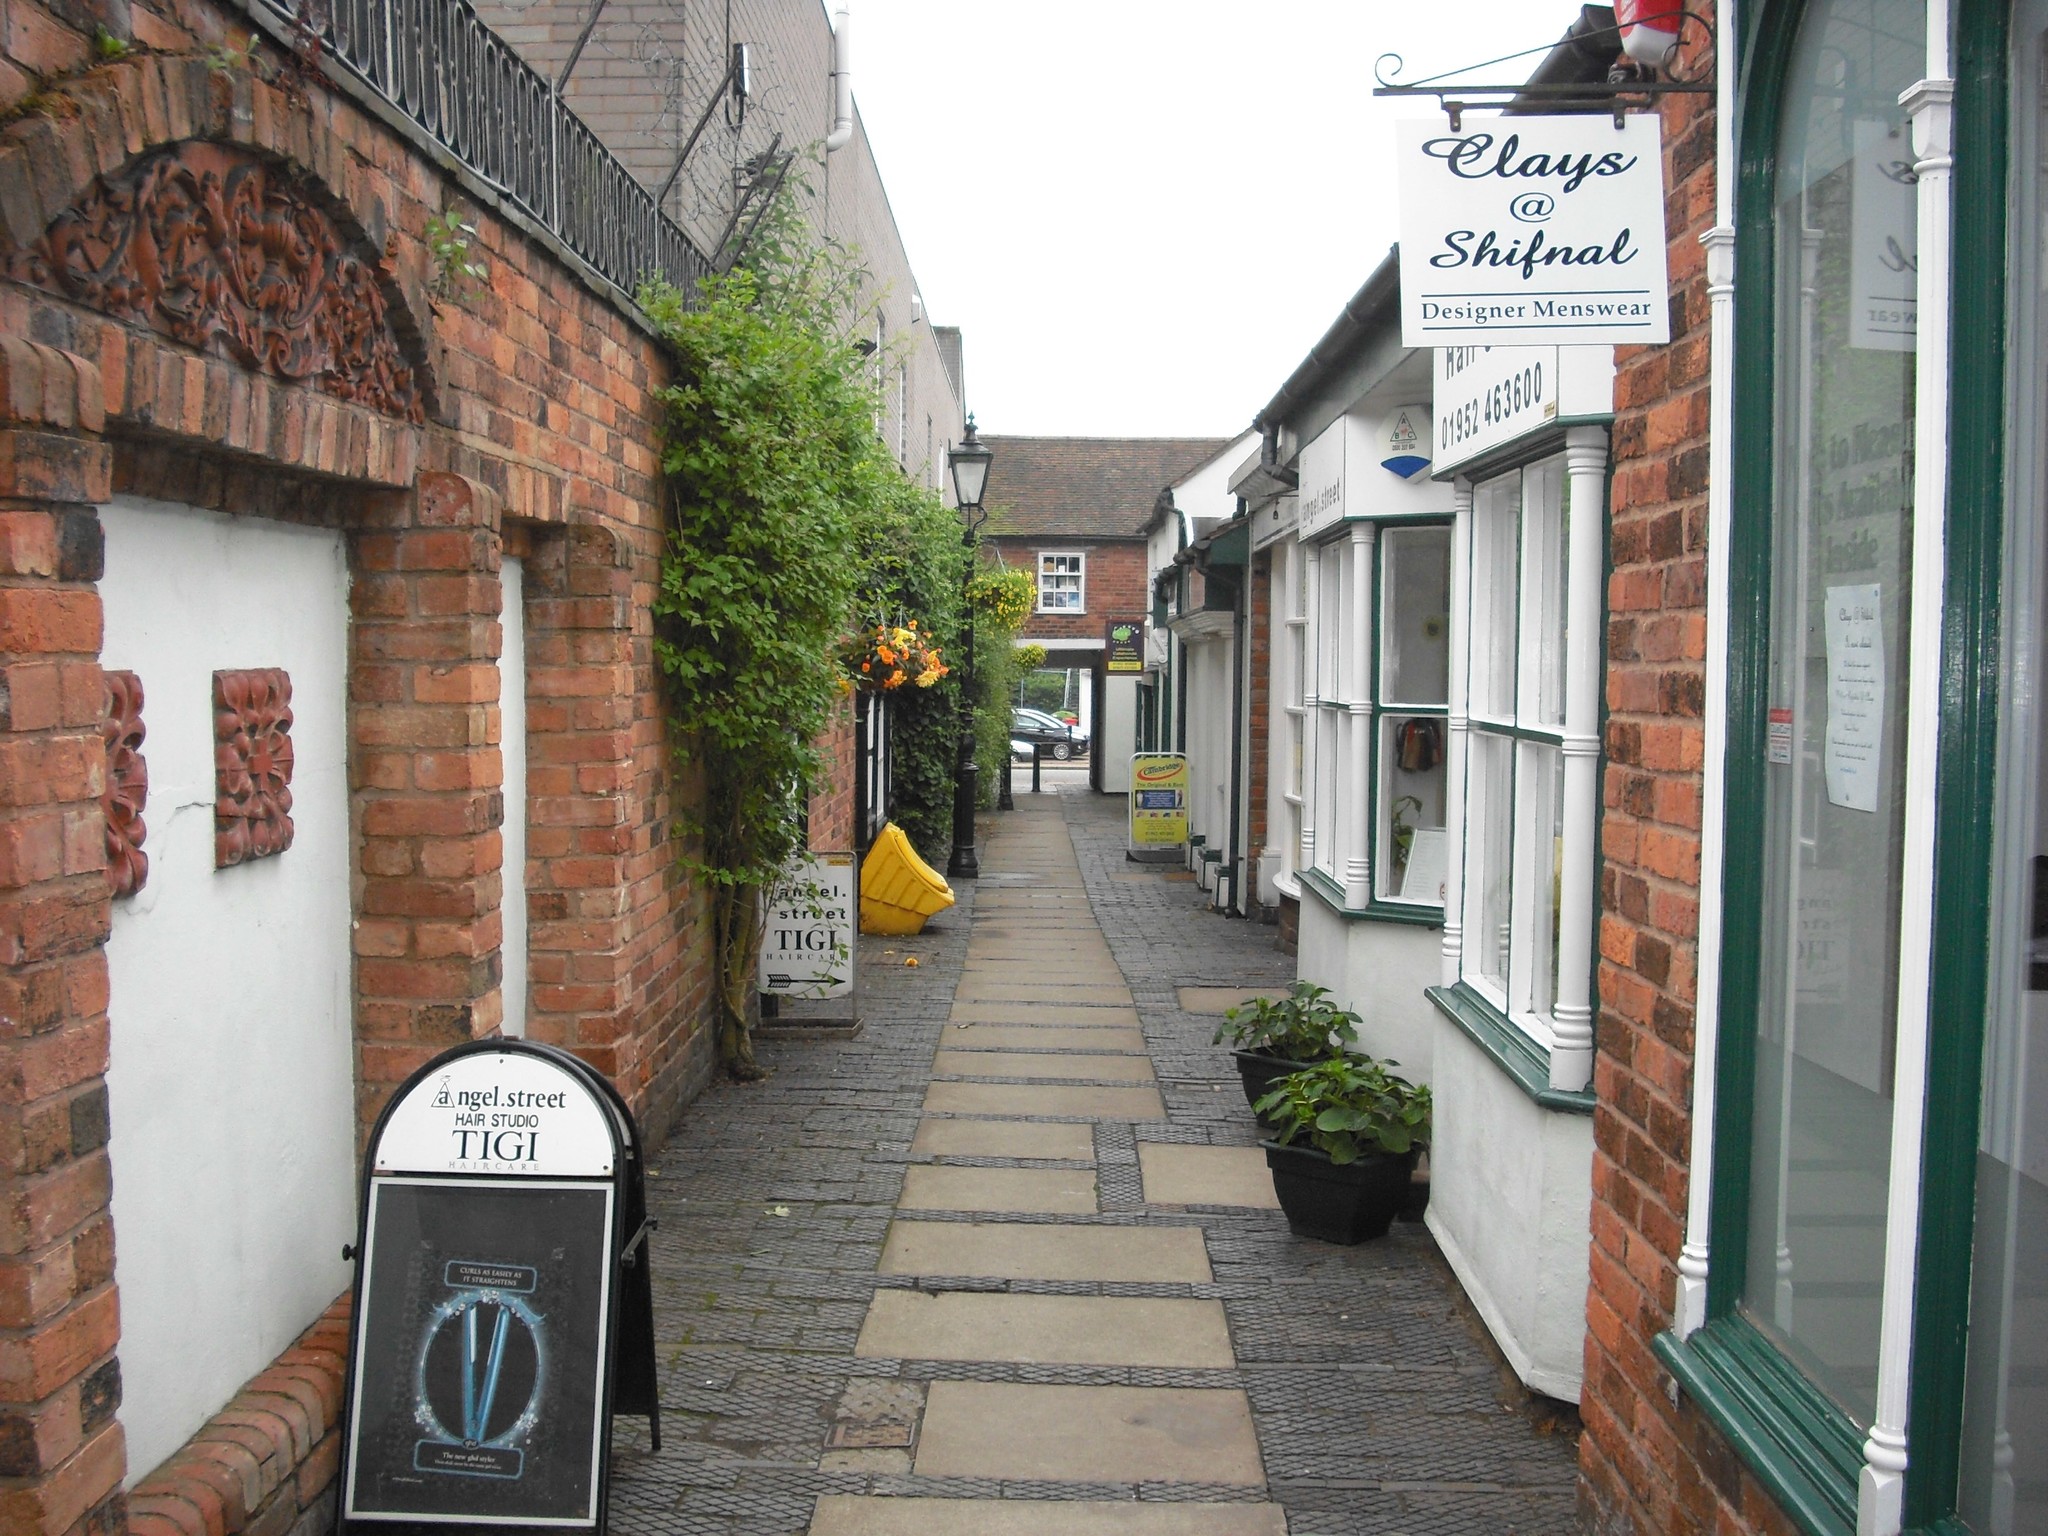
x: 1356, y: 636
x: 1880, y: 1493
x: 1454, y: 748
x: 1720, y: 244
x: 1571, y: 1048
x: 1311, y: 700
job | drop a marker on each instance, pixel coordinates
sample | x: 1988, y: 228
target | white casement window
x: 1532, y: 542
x: 1290, y: 583
x: 1331, y: 593
x: 1062, y: 582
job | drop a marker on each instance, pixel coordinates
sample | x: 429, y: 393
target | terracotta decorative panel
x: 218, y: 249
x: 127, y: 784
x: 252, y: 764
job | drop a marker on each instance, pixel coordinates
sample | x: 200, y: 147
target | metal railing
x: 436, y: 63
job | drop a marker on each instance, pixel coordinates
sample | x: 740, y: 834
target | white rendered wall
x: 512, y: 738
x: 1378, y: 970
x: 1119, y: 734
x: 231, y: 1084
x: 1510, y: 1201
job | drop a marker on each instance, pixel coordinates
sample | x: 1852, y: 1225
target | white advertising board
x: 1371, y: 462
x: 807, y: 930
x: 492, y: 1112
x: 1529, y: 231
x: 1489, y: 396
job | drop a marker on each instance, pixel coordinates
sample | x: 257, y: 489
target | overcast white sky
x: 1176, y: 197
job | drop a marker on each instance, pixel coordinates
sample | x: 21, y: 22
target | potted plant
x: 1273, y: 1036
x: 1348, y: 1134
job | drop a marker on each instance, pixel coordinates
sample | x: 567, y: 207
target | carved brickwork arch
x: 223, y: 250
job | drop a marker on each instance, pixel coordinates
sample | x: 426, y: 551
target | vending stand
x: 504, y: 1310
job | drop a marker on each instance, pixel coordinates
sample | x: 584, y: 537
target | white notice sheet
x: 1855, y: 739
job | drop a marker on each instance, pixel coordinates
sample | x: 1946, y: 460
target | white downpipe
x: 1454, y: 753
x: 1720, y: 244
x: 1930, y: 102
x: 842, y: 82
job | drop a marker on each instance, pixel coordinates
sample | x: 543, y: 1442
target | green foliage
x: 1046, y: 690
x: 1305, y: 1025
x: 1002, y: 597
x: 1348, y: 1106
x: 457, y: 273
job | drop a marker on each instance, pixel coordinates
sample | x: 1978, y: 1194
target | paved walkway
x: 1009, y: 1262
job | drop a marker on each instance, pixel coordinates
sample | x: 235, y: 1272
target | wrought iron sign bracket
x: 1627, y: 84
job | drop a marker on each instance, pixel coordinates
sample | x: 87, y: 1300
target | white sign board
x: 1370, y: 462
x: 1490, y: 396
x: 492, y: 1112
x: 1528, y: 231
x: 807, y: 930
x: 1853, y: 753
x: 1884, y: 223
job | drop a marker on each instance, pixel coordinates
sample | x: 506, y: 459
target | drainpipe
x: 842, y: 82
x: 1239, y: 621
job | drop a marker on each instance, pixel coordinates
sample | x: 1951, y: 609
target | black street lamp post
x: 969, y: 466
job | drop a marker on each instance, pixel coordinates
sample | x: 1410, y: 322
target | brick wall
x: 537, y: 440
x: 1114, y: 585
x: 832, y: 802
x: 1650, y: 1463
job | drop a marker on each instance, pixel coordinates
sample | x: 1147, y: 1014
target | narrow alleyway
x: 1008, y: 1261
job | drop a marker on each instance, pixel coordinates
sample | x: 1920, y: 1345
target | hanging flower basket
x: 885, y: 657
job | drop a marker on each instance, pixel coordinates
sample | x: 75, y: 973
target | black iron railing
x: 436, y: 63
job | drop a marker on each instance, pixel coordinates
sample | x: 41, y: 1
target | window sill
x: 1331, y: 895
x: 1800, y: 1445
x: 1512, y: 1051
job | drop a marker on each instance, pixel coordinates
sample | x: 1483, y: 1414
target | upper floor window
x: 1062, y: 583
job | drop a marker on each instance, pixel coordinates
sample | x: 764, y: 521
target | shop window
x: 1411, y: 859
x: 1515, y: 812
x: 1062, y: 582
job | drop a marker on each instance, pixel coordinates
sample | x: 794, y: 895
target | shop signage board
x: 1369, y: 462
x: 503, y: 1307
x: 1123, y: 646
x: 1532, y: 231
x: 1159, y: 803
x: 808, y: 931
x: 1487, y: 397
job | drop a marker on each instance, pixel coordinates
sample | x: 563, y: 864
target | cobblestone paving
x: 1379, y: 1405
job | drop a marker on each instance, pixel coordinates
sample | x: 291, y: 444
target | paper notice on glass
x: 1855, y: 737
x: 1429, y: 865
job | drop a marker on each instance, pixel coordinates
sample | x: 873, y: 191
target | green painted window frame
x: 1800, y: 1445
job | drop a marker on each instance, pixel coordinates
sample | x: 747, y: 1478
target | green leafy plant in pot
x: 1273, y: 1036
x: 1348, y: 1132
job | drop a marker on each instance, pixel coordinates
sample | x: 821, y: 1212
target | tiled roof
x: 1085, y: 487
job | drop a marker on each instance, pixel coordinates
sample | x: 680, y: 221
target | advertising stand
x: 504, y: 1309
x: 1158, y: 808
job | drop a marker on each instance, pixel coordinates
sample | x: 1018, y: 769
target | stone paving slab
x: 1037, y: 1064
x: 1095, y: 1015
x: 1054, y: 1100
x: 999, y: 1429
x: 841, y: 1514
x: 1046, y: 1251
x: 1005, y: 1138
x: 1185, y: 1175
x: 1043, y: 1037
x: 1048, y: 1191
x: 975, y: 989
x: 1184, y: 1332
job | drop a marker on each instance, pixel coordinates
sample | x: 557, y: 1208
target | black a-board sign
x: 504, y: 1310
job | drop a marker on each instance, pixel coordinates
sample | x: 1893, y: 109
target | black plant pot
x: 1259, y: 1072
x: 1338, y: 1203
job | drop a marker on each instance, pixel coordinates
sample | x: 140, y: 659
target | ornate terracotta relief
x: 252, y: 764
x: 218, y: 249
x: 127, y: 784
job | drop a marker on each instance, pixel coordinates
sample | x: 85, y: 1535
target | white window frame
x: 1565, y: 1029
x: 1290, y: 743
x: 1079, y: 574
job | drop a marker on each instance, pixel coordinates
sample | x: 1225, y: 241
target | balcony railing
x: 437, y: 64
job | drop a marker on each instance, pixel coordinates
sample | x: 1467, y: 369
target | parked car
x: 1060, y: 739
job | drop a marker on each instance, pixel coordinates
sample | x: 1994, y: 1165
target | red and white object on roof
x: 1649, y: 29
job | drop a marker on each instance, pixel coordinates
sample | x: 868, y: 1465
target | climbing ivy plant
x: 788, y: 527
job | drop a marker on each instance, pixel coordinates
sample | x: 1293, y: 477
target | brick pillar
x: 428, y: 777
x: 61, y: 1451
x: 581, y: 824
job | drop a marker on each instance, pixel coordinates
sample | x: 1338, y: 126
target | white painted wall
x: 1379, y: 971
x: 231, y: 1082
x: 1207, y: 659
x: 1510, y: 1202
x: 512, y: 736
x: 1119, y: 735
